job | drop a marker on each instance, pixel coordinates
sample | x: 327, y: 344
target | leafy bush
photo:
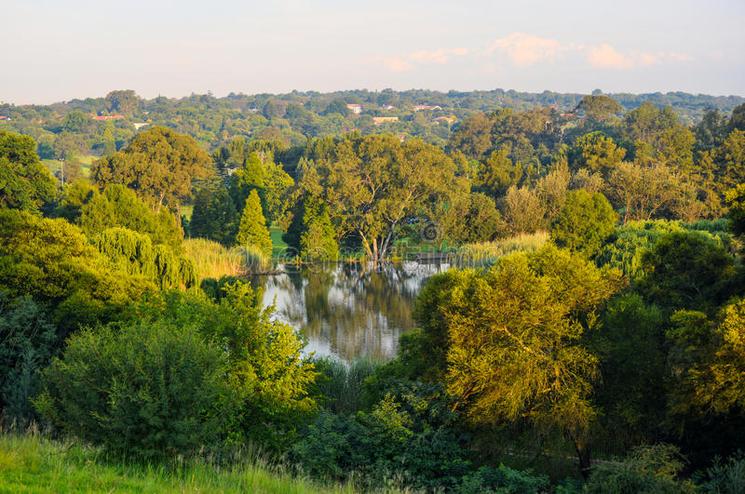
x: 725, y: 477
x: 408, y: 435
x: 502, y: 480
x: 647, y: 470
x: 27, y: 340
x: 147, y: 389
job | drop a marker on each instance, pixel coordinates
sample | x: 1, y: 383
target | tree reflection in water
x: 348, y: 310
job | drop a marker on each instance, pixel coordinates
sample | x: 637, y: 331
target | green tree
x: 123, y: 101
x: 28, y: 341
x: 597, y: 152
x: 135, y: 253
x: 24, y: 182
x: 498, y: 173
x: 473, y: 219
x: 214, y: 215
x: 688, y: 270
x: 119, y: 206
x: 252, y: 230
x: 523, y: 211
x: 318, y: 239
x: 373, y: 184
x: 143, y: 389
x: 53, y: 261
x: 159, y: 163
x: 514, y: 342
x: 599, y: 107
x: 584, y: 223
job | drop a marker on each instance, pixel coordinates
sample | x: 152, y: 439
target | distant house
x: 389, y: 107
x: 354, y: 108
x: 384, y: 120
x: 139, y: 125
x: 3, y: 117
x: 450, y: 119
x: 426, y: 108
x: 104, y: 118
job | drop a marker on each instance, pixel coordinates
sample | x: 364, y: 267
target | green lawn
x: 30, y: 464
x: 85, y: 164
x: 278, y: 245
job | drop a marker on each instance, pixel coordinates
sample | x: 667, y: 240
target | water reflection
x: 348, y: 310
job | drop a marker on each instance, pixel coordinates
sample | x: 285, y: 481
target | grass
x: 279, y: 246
x: 34, y: 464
x: 486, y: 252
x: 212, y: 260
x: 85, y: 164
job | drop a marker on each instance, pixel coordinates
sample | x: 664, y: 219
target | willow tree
x: 136, y: 254
x: 374, y: 184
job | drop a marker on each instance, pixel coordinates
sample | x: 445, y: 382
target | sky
x: 57, y: 50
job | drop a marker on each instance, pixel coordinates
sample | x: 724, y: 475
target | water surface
x: 348, y: 310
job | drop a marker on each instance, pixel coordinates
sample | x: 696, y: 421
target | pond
x: 348, y: 310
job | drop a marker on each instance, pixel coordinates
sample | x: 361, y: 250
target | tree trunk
x: 584, y: 457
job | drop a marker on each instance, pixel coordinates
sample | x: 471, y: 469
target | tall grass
x: 213, y: 260
x: 34, y: 464
x: 487, y: 252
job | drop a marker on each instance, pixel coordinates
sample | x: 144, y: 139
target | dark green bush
x: 27, y: 340
x: 143, y: 389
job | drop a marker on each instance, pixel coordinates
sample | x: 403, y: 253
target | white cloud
x: 404, y: 63
x: 604, y: 56
x: 526, y: 49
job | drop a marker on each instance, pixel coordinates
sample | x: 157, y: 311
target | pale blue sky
x: 53, y: 50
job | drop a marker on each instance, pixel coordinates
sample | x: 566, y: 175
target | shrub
x: 340, y: 385
x: 27, y: 340
x: 647, y: 470
x: 584, y: 222
x: 147, y: 389
x: 725, y: 477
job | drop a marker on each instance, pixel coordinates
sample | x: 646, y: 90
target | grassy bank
x: 32, y: 464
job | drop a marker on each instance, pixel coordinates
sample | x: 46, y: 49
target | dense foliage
x: 600, y: 349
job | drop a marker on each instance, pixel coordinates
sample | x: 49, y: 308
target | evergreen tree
x: 318, y: 239
x: 253, y: 230
x: 214, y: 216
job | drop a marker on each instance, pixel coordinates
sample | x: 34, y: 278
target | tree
x: 318, y: 239
x: 123, y: 101
x: 599, y: 107
x: 737, y: 119
x: 688, y: 270
x: 52, y: 261
x: 473, y: 219
x: 642, y: 192
x: 597, y: 152
x: 731, y: 160
x: 659, y: 137
x: 514, y: 342
x: 119, y: 206
x: 25, y: 183
x: 373, y: 184
x: 584, y: 223
x: 214, y: 215
x: 473, y: 136
x: 498, y: 173
x: 252, y: 230
x: 28, y: 341
x: 523, y: 211
x: 136, y: 254
x: 148, y: 389
x: 159, y: 164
